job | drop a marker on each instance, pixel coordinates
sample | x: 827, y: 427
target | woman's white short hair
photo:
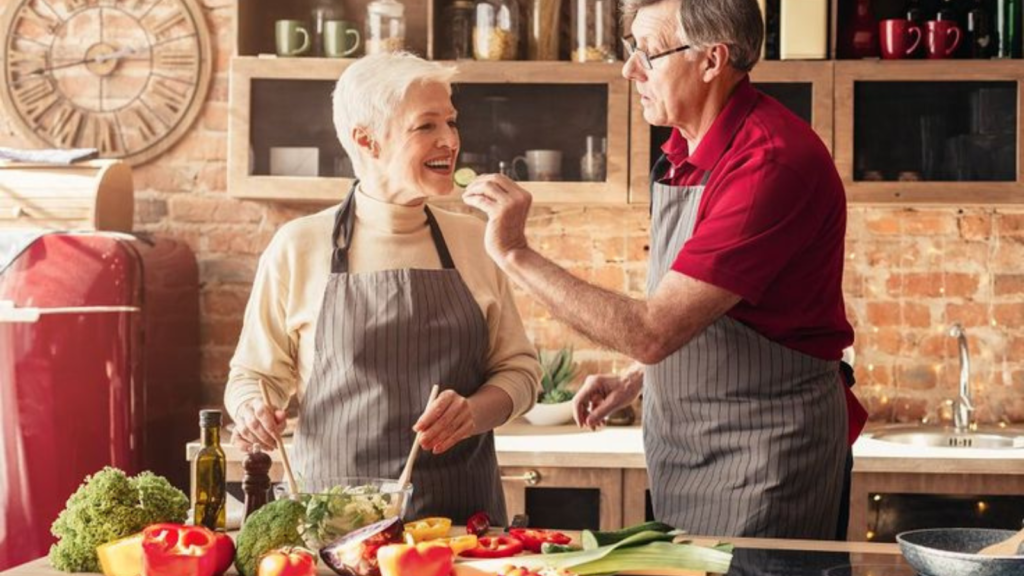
x: 370, y: 90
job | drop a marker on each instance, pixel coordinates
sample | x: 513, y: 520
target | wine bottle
x: 1008, y: 21
x: 979, y: 31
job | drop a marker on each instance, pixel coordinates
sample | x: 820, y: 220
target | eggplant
x: 355, y: 554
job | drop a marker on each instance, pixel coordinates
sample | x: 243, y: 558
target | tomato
x: 534, y: 538
x: 428, y: 529
x: 223, y: 552
x: 495, y: 547
x: 478, y: 524
x: 287, y: 562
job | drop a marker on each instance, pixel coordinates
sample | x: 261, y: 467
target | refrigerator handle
x: 10, y: 313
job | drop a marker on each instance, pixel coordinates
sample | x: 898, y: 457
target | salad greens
x: 340, y: 510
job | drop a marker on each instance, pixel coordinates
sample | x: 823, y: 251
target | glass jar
x: 385, y: 26
x: 496, y: 31
x: 593, y: 31
x: 593, y: 161
x: 459, y: 17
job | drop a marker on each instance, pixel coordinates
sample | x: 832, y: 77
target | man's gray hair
x: 369, y: 91
x: 735, y: 23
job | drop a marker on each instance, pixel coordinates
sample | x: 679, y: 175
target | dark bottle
x: 980, y: 38
x: 915, y: 13
x: 209, y: 505
x: 771, y: 30
x: 862, y: 35
x: 1008, y: 22
x: 256, y: 482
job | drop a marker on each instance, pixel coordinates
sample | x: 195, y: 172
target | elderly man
x: 745, y: 420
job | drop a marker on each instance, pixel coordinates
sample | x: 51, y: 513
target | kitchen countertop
x: 752, y: 557
x: 521, y: 444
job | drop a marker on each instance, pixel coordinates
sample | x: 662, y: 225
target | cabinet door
x: 636, y: 497
x: 565, y: 498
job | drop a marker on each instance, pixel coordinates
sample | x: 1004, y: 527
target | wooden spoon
x: 403, y: 480
x: 1007, y: 547
x: 292, y: 486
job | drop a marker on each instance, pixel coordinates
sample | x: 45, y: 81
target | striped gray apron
x: 383, y: 339
x: 743, y: 436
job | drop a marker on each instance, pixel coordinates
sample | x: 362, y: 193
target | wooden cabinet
x: 929, y: 131
x: 565, y: 498
x: 280, y: 109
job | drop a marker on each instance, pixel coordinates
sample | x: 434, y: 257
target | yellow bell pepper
x: 427, y: 559
x: 428, y: 529
x: 460, y: 544
x: 121, y: 557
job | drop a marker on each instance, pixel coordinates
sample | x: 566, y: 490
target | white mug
x: 541, y: 165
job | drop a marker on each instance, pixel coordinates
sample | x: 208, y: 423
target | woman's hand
x: 447, y: 421
x: 603, y: 394
x: 256, y: 425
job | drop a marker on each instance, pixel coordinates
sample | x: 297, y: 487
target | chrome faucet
x: 962, y: 407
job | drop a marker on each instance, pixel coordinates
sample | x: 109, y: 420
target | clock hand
x: 116, y: 55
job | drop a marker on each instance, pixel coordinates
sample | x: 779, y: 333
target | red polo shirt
x: 771, y: 223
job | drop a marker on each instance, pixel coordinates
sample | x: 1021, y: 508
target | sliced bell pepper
x: 428, y: 528
x: 495, y: 547
x: 426, y: 559
x: 287, y: 562
x: 534, y: 538
x: 177, y: 550
x: 478, y: 524
x: 121, y: 557
x: 460, y: 544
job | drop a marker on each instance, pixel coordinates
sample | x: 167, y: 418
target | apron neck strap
x: 344, y: 223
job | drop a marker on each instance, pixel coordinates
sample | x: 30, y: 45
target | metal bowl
x: 954, y: 552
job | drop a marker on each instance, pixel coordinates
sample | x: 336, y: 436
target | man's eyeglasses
x: 645, y: 60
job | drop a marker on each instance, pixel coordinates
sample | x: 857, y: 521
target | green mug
x: 292, y: 38
x: 337, y: 34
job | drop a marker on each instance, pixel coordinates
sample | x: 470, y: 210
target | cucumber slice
x: 463, y: 176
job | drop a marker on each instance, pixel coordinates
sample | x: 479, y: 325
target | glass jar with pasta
x: 385, y: 26
x: 593, y: 31
x: 496, y: 30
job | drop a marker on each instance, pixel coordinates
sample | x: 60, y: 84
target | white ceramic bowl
x: 550, y: 414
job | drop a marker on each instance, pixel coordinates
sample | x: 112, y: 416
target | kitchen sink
x: 994, y: 438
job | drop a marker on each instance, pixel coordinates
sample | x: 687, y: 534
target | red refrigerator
x: 98, y: 366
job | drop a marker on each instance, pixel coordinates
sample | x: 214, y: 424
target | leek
x: 642, y: 551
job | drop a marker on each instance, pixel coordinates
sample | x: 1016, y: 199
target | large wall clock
x: 127, y: 77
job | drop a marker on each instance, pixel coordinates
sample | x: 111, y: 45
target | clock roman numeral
x: 25, y: 64
x: 168, y: 23
x: 177, y: 60
x: 46, y: 21
x: 64, y: 130
x: 168, y: 98
x: 73, y: 5
x: 34, y: 98
x: 135, y: 4
x: 141, y: 122
x: 104, y: 136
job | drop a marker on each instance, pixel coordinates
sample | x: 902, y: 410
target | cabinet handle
x: 530, y: 478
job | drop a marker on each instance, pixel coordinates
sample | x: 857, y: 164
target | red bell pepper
x: 224, y: 550
x: 177, y: 550
x: 495, y: 547
x: 534, y: 538
x: 426, y: 559
x: 478, y: 524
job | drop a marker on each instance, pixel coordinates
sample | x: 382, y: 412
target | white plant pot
x: 550, y: 414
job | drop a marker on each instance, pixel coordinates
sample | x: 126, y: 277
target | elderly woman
x: 360, y: 309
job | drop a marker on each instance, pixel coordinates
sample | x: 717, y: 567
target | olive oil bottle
x: 209, y: 503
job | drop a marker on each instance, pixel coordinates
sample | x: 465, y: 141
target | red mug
x: 942, y: 38
x: 899, y: 38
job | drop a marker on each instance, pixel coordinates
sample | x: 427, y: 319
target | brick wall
x: 910, y: 272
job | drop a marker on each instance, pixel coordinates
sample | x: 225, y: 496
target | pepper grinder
x: 256, y: 482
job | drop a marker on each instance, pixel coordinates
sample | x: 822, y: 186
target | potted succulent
x: 554, y: 403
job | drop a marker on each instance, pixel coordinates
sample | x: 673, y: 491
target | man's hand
x: 447, y: 421
x: 603, y: 394
x: 256, y: 424
x: 507, y: 206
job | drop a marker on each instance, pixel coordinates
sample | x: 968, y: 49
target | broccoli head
x: 271, y: 527
x: 107, y: 506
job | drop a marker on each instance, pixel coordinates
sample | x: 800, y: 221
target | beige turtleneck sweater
x: 277, y: 340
